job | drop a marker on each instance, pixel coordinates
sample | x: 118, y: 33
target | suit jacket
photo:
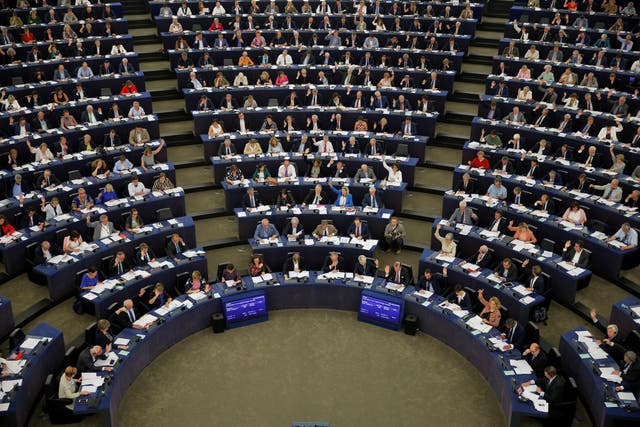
x: 462, y: 217
x: 97, y: 228
x: 261, y: 233
x: 324, y: 199
x: 125, y: 321
x: 113, y: 267
x: 631, y: 380
x: 437, y: 281
x: 567, y: 156
x: 360, y: 175
x: 551, y: 206
x: 537, y: 283
x: 485, y: 262
x: 465, y: 304
x: 366, y: 200
x: 510, y: 276
x: 368, y: 150
x: 327, y: 263
x: 86, y: 363
x: 364, y: 230
x: 369, y: 269
x: 582, y: 158
x: 554, y: 392
x: 36, y: 125
x: 172, y: 251
x: 84, y: 118
x: 288, y: 265
x: 583, y: 260
x: 37, y: 219
x: 288, y: 229
x: 246, y: 200
x: 405, y: 279
x: 519, y: 118
x: 140, y: 261
x: 537, y: 363
x: 331, y: 230
x: 515, y: 336
x: 508, y: 169
x: 470, y: 189
x: 502, y: 225
x: 223, y: 151
x: 38, y: 257
x: 107, y: 142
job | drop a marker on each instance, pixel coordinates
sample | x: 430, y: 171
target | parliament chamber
x: 320, y: 212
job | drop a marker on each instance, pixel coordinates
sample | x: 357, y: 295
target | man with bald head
x: 536, y: 358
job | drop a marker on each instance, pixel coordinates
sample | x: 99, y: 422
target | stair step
x: 159, y: 75
x: 478, y: 59
x: 467, y: 77
x: 490, y: 26
x: 456, y: 118
x: 180, y: 140
x: 483, y: 42
x: 165, y: 94
x: 138, y: 23
x: 151, y: 56
x: 172, y: 116
x: 152, y: 39
x: 448, y: 142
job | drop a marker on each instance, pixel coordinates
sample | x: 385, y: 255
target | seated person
x: 257, y: 266
x: 372, y: 199
x: 365, y: 267
x: 250, y: 200
x: 133, y: 221
x: 344, y: 199
x: 293, y: 263
x: 44, y: 253
x: 397, y: 274
x: 482, y: 258
x: 196, y: 283
x: 627, y: 235
x: 522, y: 232
x: 137, y: 187
x: 358, y: 229
x: 544, y: 204
x: 366, y: 174
x: 463, y: 215
x: 88, y: 358
x: 576, y: 255
x: 293, y: 229
x: 551, y: 386
x: 535, y: 282
x: 460, y: 298
x: 536, y: 358
x: 265, y: 231
x: 68, y: 387
x: 285, y: 199
x: 316, y: 197
x: 262, y: 174
x: 230, y: 273
x: 466, y: 186
x: 480, y: 161
x: 89, y: 279
x: 436, y: 283
x: 506, y: 271
x: 448, y: 246
x: 119, y: 265
x: 158, y: 297
x: 144, y: 255
x: 324, y: 229
x: 513, y: 333
x: 104, y: 337
x: 575, y: 214
x: 176, y: 246
x: 333, y: 263
x: 490, y: 313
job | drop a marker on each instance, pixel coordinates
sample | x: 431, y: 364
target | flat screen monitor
x: 381, y: 310
x: 245, y: 308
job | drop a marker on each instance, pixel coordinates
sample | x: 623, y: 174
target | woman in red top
x: 216, y: 25
x: 27, y: 36
x: 571, y: 5
x: 256, y: 268
x: 128, y: 88
x: 480, y: 161
x: 6, y: 228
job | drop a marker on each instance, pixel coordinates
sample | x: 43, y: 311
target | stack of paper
x: 363, y: 279
x: 494, y: 278
x: 298, y: 274
x: 395, y: 286
x: 607, y: 374
x: 476, y: 323
x: 521, y: 367
x: 521, y: 290
x: 8, y: 385
x: 445, y: 258
x: 145, y: 320
x: 423, y: 293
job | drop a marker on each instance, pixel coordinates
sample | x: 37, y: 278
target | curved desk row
x: 6, y: 318
x: 352, y: 163
x: 626, y: 314
x: 312, y: 251
x: 92, y: 87
x: 519, y: 305
x: 15, y: 252
x: 563, y: 284
x: 610, y: 259
x: 62, y: 279
x: 45, y: 358
x: 300, y: 187
x: 263, y: 94
x: 424, y: 123
x: 78, y: 10
x: 146, y: 345
x: 28, y: 69
x: 290, y: 140
x: 444, y: 79
x: 218, y: 56
x: 310, y: 219
x: 125, y: 287
x: 536, y: 14
x: 66, y: 191
x: 613, y: 216
x: 607, y: 407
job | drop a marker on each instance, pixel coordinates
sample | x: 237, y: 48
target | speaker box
x: 410, y: 324
x: 217, y: 323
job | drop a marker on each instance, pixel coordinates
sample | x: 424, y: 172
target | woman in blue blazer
x: 344, y: 198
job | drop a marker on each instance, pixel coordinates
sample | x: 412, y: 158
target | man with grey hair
x: 463, y: 215
x: 293, y: 230
x: 630, y: 373
x: 102, y: 228
x: 612, y: 343
x: 627, y: 235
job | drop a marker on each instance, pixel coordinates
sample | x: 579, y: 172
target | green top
x: 493, y: 140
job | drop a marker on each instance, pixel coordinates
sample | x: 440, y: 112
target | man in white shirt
x: 324, y: 146
x: 122, y: 165
x: 136, y: 111
x: 118, y: 49
x: 137, y: 188
x: 284, y: 58
x: 101, y: 229
x: 287, y: 170
x: 84, y: 72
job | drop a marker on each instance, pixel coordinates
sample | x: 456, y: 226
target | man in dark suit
x: 317, y: 197
x: 575, y: 255
x: 358, y: 229
x: 227, y: 148
x: 88, y: 358
x: 106, y: 68
x: 612, y: 343
x: 228, y: 103
x: 466, y: 185
x: 531, y: 169
x: 378, y: 101
x: 373, y: 148
x: 176, y: 245
x: 588, y: 157
x: 494, y: 112
x: 535, y: 280
x: 293, y: 229
x: 44, y: 252
x: 460, y: 297
x: 338, y: 170
x: 504, y: 165
x: 365, y: 267
x: 111, y: 139
x: 119, y: 265
x: 21, y: 128
x: 129, y: 313
x: 581, y: 184
x: 545, y: 203
x: 482, y: 258
x: 563, y: 153
x: 499, y: 223
x: 333, y: 263
x: 513, y: 333
x: 537, y: 359
x: 436, y: 283
x: 507, y: 271
x: 372, y: 199
x: 551, y: 387
x: 293, y: 263
x: 250, y: 200
x: 630, y: 373
x: 40, y: 123
x: 397, y: 274
x: 31, y: 218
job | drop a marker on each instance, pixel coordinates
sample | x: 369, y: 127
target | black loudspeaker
x: 217, y: 323
x: 410, y: 324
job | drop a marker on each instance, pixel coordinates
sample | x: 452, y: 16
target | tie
x: 531, y: 171
x: 397, y: 276
x: 586, y: 129
x: 511, y: 334
x: 286, y: 172
x: 500, y: 92
x: 253, y: 203
x: 326, y: 231
x: 120, y: 271
x: 357, y: 231
x: 589, y: 160
x: 228, y: 151
x: 316, y: 200
x: 635, y: 140
x: 325, y: 147
x: 517, y: 199
x: 357, y: 103
x: 539, y: 121
x: 132, y: 316
x: 31, y: 220
x: 177, y: 248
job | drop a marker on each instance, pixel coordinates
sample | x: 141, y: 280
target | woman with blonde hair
x: 522, y: 232
x: 490, y: 314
